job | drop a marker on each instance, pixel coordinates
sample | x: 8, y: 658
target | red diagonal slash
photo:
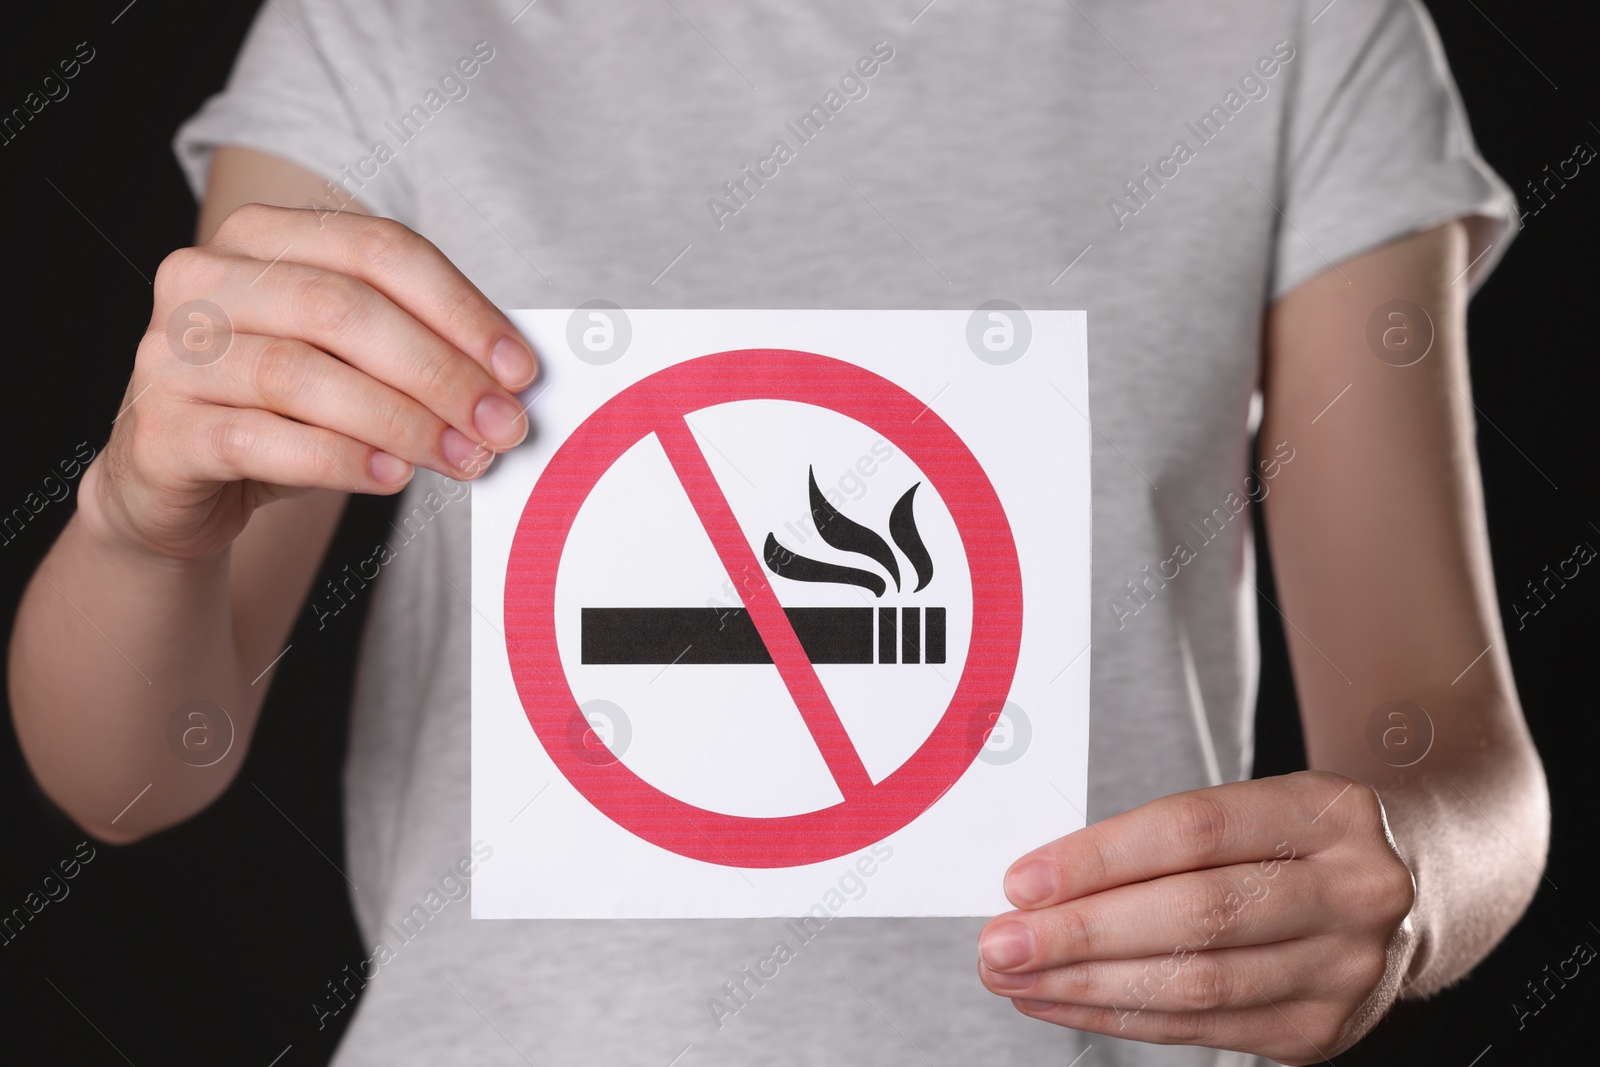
x: 798, y: 674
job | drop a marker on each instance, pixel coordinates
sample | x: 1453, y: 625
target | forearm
x: 1472, y: 820
x: 1381, y: 551
x: 109, y: 642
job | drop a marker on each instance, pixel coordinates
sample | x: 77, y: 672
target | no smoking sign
x: 754, y: 598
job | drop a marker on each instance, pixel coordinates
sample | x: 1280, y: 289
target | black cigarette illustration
x: 846, y: 634
x: 728, y: 635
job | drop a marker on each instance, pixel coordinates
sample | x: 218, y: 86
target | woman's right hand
x: 299, y: 350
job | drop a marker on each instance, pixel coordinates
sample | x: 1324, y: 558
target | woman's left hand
x: 1268, y: 917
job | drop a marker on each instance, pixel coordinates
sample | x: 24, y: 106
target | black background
x: 209, y: 943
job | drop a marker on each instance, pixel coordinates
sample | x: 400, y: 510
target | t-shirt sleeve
x: 309, y: 86
x: 1378, y: 144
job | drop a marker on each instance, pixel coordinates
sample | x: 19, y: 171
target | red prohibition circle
x: 658, y: 404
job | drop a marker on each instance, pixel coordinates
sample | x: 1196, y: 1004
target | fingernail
x: 512, y: 362
x: 499, y: 420
x: 1033, y: 1005
x: 1010, y: 983
x: 388, y: 469
x: 1007, y: 945
x: 1032, y: 883
x: 461, y: 452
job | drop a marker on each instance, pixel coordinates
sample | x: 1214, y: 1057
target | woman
x: 1243, y: 196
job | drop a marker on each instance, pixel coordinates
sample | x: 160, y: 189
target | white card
x: 780, y: 611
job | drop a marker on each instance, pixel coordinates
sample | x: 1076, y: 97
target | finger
x: 398, y: 262
x: 1295, y: 1032
x: 346, y: 317
x: 223, y: 444
x: 1265, y: 819
x: 1205, y: 909
x: 293, y: 379
x: 1190, y: 980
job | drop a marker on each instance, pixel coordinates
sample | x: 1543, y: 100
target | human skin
x: 359, y: 353
x: 1386, y: 881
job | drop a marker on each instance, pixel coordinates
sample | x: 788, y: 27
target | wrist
x: 103, y: 520
x: 1411, y: 948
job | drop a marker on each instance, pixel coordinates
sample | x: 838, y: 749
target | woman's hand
x: 1267, y: 917
x: 301, y: 350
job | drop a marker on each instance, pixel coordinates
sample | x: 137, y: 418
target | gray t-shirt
x: 1169, y: 166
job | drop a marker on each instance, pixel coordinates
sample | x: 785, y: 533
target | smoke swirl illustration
x: 844, y: 533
